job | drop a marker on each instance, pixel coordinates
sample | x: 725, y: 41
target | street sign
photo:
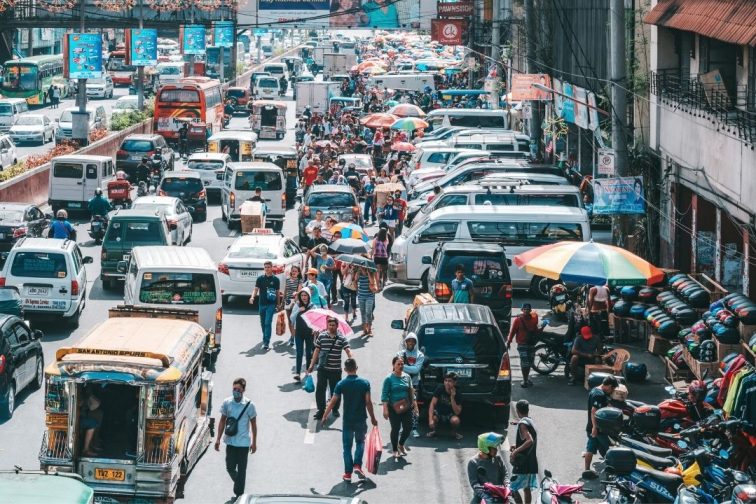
x: 448, y: 31
x: 223, y: 34
x: 192, y: 39
x: 455, y: 9
x: 606, y: 159
x: 83, y: 55
x: 527, y: 110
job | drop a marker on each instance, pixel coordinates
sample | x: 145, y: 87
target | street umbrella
x: 374, y: 70
x: 589, y: 263
x: 403, y: 147
x: 349, y: 246
x: 349, y: 230
x: 367, y: 64
x: 324, y: 143
x: 378, y: 120
x: 407, y: 110
x: 317, y: 320
x: 409, y: 124
x: 362, y: 262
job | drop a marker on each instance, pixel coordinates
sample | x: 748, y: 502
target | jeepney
x: 284, y: 157
x: 127, y: 407
x: 268, y: 119
x: 237, y: 144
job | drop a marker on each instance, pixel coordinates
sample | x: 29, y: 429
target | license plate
x: 486, y: 291
x: 110, y: 474
x: 126, y: 257
x: 461, y: 372
x: 248, y: 274
x: 37, y: 291
x: 136, y: 157
x: 74, y: 204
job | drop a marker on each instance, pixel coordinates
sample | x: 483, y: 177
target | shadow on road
x: 300, y: 417
x: 221, y: 229
x: 400, y: 293
x: 98, y: 293
x: 345, y: 489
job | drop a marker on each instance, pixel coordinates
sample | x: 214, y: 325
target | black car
x: 189, y: 188
x: 21, y: 361
x: 138, y: 146
x: 485, y: 264
x: 466, y: 339
x: 18, y: 220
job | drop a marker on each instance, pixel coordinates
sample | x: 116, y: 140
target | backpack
x: 379, y: 249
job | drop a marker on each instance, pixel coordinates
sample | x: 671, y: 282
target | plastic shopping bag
x: 374, y: 450
x: 280, y: 323
x: 308, y: 384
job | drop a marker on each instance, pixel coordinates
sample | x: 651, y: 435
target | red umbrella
x: 378, y: 120
x: 403, y: 147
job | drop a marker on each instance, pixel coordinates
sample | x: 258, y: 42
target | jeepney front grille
x: 55, y: 449
x: 158, y: 450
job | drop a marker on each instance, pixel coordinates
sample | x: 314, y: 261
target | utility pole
x: 496, y: 20
x: 140, y: 68
x: 619, y: 104
x: 530, y: 62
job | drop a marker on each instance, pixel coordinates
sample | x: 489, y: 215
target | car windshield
x: 331, y: 199
x: 267, y: 181
x: 568, y: 200
x: 267, y: 83
x: 137, y: 145
x: 11, y: 215
x: 6, y: 109
x: 167, y: 207
x: 29, y: 121
x: 204, y: 164
x: 467, y: 341
x: 39, y: 265
x: 181, y: 184
x: 136, y: 232
x: 169, y: 70
x: 359, y: 162
x: 20, y: 77
x: 100, y: 81
x: 235, y: 93
x: 477, y: 267
x: 177, y: 288
x: 526, y: 234
x: 253, y: 251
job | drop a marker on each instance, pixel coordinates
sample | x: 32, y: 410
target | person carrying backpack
x: 60, y: 228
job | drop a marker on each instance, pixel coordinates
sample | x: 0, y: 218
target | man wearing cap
x: 585, y: 350
x: 524, y: 330
x: 598, y: 398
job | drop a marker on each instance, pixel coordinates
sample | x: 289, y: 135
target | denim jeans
x: 350, y: 299
x: 326, y: 281
x: 304, y: 349
x: 267, y: 311
x: 367, y: 304
x: 368, y: 209
x: 350, y: 434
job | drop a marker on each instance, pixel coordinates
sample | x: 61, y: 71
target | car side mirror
x: 427, y: 260
x: 121, y: 266
x: 37, y: 334
x: 87, y: 260
x: 48, y: 215
x: 397, y: 324
x: 416, y: 239
x: 57, y: 119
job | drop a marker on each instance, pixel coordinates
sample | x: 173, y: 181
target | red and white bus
x: 195, y: 98
x: 119, y: 71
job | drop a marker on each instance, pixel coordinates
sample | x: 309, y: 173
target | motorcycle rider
x: 307, y: 114
x: 99, y: 204
x: 284, y: 84
x: 143, y: 170
x: 183, y: 134
x: 698, y: 407
x: 486, y: 466
x: 61, y: 228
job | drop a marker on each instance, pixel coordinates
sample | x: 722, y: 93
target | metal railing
x: 55, y: 450
x: 157, y: 452
x: 735, y: 115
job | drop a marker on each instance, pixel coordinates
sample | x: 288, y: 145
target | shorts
x: 526, y: 355
x: 523, y: 481
x: 380, y: 260
x: 443, y: 419
x: 598, y: 444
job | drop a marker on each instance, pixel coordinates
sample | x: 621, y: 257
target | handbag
x: 374, y: 450
x: 232, y: 423
x: 280, y: 323
x: 401, y: 406
x: 309, y: 384
x: 271, y: 295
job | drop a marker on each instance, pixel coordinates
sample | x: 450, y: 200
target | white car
x: 33, y: 128
x: 243, y: 262
x: 51, y: 277
x: 124, y: 105
x: 8, y: 152
x: 100, y: 88
x: 175, y: 213
x: 211, y: 166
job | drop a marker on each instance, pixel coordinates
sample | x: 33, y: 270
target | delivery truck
x: 316, y: 95
x: 410, y: 82
x: 337, y: 63
x: 317, y: 55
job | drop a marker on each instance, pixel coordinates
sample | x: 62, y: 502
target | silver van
x: 239, y: 183
x: 470, y: 118
x: 10, y: 110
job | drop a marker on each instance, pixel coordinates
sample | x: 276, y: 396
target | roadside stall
x: 268, y: 119
x: 237, y: 144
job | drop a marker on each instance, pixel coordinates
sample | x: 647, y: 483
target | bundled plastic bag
x: 281, y: 323
x: 374, y: 450
x: 308, y: 384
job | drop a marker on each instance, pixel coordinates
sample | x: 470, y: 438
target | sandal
x: 403, y: 451
x: 431, y: 434
x: 297, y: 378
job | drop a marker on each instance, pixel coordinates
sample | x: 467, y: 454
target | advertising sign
x: 606, y: 160
x: 448, y: 31
x: 223, y: 34
x: 141, y: 47
x: 523, y: 90
x: 455, y: 9
x: 581, y: 111
x: 612, y: 196
x: 593, y: 119
x: 568, y: 105
x: 84, y: 55
x: 192, y: 39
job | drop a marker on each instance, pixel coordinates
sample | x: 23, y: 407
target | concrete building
x: 43, y: 41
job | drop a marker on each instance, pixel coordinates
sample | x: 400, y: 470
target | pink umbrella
x: 403, y: 147
x: 317, y: 320
x: 407, y: 110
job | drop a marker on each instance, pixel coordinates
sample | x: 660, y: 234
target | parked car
x: 21, y: 361
x: 100, y: 88
x: 465, y: 339
x: 135, y: 147
x: 19, y: 220
x: 33, y: 128
x: 188, y: 187
x: 176, y: 214
x: 8, y: 152
x: 337, y: 201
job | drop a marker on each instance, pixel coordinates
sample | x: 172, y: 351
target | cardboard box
x: 701, y: 370
x: 383, y: 190
x: 724, y: 349
x: 676, y: 375
x: 746, y: 331
x: 658, y: 345
x: 252, y: 216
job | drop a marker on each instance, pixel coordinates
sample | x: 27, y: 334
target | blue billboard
x: 614, y: 196
x: 84, y: 56
x: 143, y: 47
x: 223, y: 34
x: 193, y: 39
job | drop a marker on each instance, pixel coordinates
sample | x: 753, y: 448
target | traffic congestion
x: 348, y: 276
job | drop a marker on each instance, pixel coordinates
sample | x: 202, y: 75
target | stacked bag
x: 689, y: 290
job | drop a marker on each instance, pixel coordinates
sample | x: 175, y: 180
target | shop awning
x: 732, y: 21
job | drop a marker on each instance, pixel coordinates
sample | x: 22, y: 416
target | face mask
x: 237, y: 395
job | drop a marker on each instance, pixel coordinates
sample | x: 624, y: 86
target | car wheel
x: 73, y: 321
x: 8, y: 403
x: 191, y: 229
x: 39, y: 377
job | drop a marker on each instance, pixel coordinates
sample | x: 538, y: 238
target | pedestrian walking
x: 268, y: 290
x: 238, y: 418
x: 291, y: 287
x: 399, y: 403
x: 303, y: 335
x: 355, y: 392
x: 327, y: 357
x: 380, y: 248
x: 366, y: 300
x: 524, y: 330
x: 461, y: 287
x: 349, y: 290
x: 55, y: 96
x: 486, y: 466
x: 598, y: 398
x: 325, y: 265
x: 413, y: 360
x: 523, y: 455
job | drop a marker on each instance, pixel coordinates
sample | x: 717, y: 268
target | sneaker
x: 571, y: 381
x: 415, y: 434
x: 318, y: 415
x: 336, y: 413
x: 589, y: 475
x: 524, y: 384
x: 266, y: 347
x: 297, y: 378
x: 291, y: 342
x: 358, y: 471
x: 347, y: 477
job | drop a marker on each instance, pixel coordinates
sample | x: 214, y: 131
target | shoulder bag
x: 232, y: 423
x: 323, y: 356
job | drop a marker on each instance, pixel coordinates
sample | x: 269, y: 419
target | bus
x: 30, y: 78
x: 119, y: 71
x: 198, y: 99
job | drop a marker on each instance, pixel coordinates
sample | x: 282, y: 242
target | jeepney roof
x: 35, y: 487
x: 245, y: 136
x: 265, y: 103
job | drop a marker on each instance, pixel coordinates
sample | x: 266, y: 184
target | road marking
x: 312, y: 424
x: 232, y: 233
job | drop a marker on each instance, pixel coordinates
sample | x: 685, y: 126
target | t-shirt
x: 310, y: 174
x: 321, y: 264
x: 363, y: 288
x: 231, y: 408
x: 596, y: 399
x: 521, y: 326
x: 443, y: 400
x: 586, y: 346
x: 396, y: 388
x: 265, y: 282
x: 352, y: 390
x: 461, y: 290
x: 334, y: 347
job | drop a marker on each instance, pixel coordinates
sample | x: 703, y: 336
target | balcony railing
x: 734, y: 115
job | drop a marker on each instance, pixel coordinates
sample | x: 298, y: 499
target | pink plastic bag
x: 373, y: 450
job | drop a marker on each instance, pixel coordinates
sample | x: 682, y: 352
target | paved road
x: 296, y: 456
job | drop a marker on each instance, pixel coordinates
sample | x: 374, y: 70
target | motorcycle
x: 97, y: 226
x: 554, y: 493
x: 560, y: 301
x: 492, y: 494
x: 551, y: 351
x: 155, y: 178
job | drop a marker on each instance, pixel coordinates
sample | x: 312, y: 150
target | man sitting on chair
x: 585, y: 350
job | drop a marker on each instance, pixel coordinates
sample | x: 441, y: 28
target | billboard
x: 192, y: 39
x: 223, y: 34
x: 84, y: 55
x: 448, y: 31
x: 613, y: 196
x: 141, y: 47
x: 523, y: 90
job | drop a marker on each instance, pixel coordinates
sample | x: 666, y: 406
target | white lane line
x: 233, y: 233
x: 312, y: 424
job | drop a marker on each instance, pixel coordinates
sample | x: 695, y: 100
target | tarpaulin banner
x: 141, y: 47
x: 612, y: 196
x: 523, y: 89
x: 448, y: 31
x: 581, y: 110
x: 192, y: 39
x: 84, y: 55
x: 568, y: 105
x: 223, y: 34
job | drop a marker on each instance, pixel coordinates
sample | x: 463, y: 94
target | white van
x: 10, y: 109
x: 500, y: 143
x: 469, y: 118
x: 176, y: 277
x: 276, y: 70
x: 98, y: 119
x: 74, y: 178
x: 412, y: 82
x: 239, y: 183
x: 170, y: 72
x: 516, y: 228
x: 267, y: 87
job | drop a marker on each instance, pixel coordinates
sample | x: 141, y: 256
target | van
x: 276, y: 70
x: 516, y: 228
x: 471, y: 118
x: 170, y: 72
x: 98, y: 119
x: 267, y: 87
x: 512, y: 144
x: 74, y: 178
x: 411, y: 82
x: 10, y: 109
x: 239, y: 183
x: 185, y: 277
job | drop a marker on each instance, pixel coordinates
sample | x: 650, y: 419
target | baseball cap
x: 586, y: 332
x: 312, y: 271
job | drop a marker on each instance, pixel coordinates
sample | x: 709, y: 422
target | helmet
x: 98, y: 191
x: 489, y: 440
x: 697, y: 389
x: 61, y: 214
x: 120, y: 175
x: 145, y: 159
x: 352, y: 165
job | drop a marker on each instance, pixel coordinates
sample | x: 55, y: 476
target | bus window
x: 20, y: 77
x: 179, y: 96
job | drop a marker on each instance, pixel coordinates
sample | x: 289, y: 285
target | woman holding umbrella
x: 366, y: 300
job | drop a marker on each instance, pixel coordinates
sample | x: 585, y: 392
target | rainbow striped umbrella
x: 589, y: 263
x: 407, y: 110
x: 409, y: 124
x: 349, y: 230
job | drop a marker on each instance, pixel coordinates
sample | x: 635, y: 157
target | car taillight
x: 19, y: 232
x: 2, y: 281
x: 103, y: 255
x: 506, y: 291
x: 278, y: 269
x: 442, y: 291
x: 202, y: 194
x: 306, y: 211
x: 120, y: 154
x: 232, y: 200
x: 3, y: 360
x: 283, y: 199
x: 505, y: 370
x: 74, y: 288
x: 223, y: 268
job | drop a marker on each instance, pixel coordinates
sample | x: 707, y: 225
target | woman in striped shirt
x: 292, y: 286
x: 366, y: 300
